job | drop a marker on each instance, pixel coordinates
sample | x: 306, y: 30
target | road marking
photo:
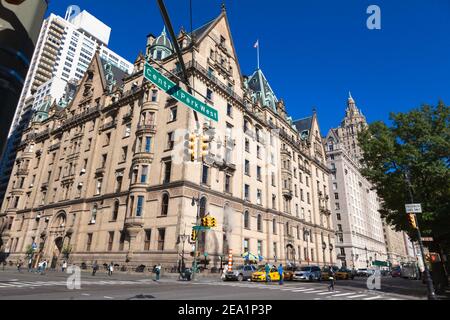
x: 373, y: 298
x: 343, y: 294
x: 357, y: 296
x: 85, y: 294
x: 329, y: 292
x: 302, y: 290
x: 317, y: 291
x: 292, y: 289
x: 106, y: 297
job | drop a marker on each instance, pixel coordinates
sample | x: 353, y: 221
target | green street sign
x: 380, y: 263
x: 152, y: 75
x: 200, y: 228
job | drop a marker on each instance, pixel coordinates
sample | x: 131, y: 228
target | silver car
x: 240, y: 273
x: 307, y: 273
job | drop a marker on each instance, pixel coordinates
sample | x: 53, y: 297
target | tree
x: 415, y: 146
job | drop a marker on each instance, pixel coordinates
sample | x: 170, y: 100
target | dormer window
x: 158, y: 55
x: 222, y: 40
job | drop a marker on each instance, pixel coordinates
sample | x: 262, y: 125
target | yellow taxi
x: 260, y: 275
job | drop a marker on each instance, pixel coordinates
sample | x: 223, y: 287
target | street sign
x: 179, y: 94
x: 413, y: 208
x: 200, y: 228
x: 427, y: 239
x: 380, y: 263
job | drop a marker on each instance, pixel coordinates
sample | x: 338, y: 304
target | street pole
x: 430, y: 288
x: 197, y: 201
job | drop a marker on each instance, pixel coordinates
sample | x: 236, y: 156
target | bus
x: 409, y: 271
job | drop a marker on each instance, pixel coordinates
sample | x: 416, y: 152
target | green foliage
x: 29, y: 251
x: 67, y: 250
x: 416, y: 145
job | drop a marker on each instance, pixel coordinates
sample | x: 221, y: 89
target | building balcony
x: 287, y: 193
x: 134, y: 223
x: 146, y: 129
x: 100, y: 172
x: 143, y: 157
x: 44, y: 186
x: 68, y: 178
x: 22, y: 172
x: 54, y: 147
x: 109, y: 125
x: 325, y: 211
x: 285, y: 152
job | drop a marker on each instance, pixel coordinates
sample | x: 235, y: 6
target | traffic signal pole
x: 430, y: 288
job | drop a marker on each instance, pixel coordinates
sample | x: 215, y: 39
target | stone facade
x: 108, y: 176
x: 355, y: 204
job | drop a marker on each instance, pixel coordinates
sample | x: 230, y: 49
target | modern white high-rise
x: 63, y: 52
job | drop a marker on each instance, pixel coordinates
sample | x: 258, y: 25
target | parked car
x: 240, y: 273
x: 289, y: 273
x: 325, y: 274
x: 308, y: 273
x: 363, y: 272
x: 396, y: 272
x: 345, y: 274
x: 260, y: 275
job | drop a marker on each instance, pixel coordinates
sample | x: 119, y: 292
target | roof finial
x: 314, y: 110
x: 350, y: 95
x: 163, y: 31
x: 223, y: 6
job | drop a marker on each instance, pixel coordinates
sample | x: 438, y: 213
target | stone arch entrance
x: 290, y: 253
x: 57, y: 250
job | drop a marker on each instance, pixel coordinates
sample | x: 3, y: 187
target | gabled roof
x: 258, y: 83
x: 304, y: 124
x: 200, y: 32
x: 118, y: 74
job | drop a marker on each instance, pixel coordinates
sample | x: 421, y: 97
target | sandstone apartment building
x: 107, y: 178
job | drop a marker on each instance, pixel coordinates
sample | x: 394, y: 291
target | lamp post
x: 331, y: 252
x: 307, y: 233
x: 183, y: 238
x: 196, y: 201
x: 367, y: 257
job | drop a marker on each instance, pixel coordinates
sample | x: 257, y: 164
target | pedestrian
x: 30, y: 265
x: 331, y: 278
x: 224, y: 272
x: 267, y: 269
x: 44, y: 266
x: 281, y: 273
x: 4, y: 264
x: 158, y: 272
x: 110, y: 269
x: 19, y: 266
x: 64, y: 266
x: 94, y: 268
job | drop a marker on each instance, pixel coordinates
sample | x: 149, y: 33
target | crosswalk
x: 63, y: 283
x: 320, y: 292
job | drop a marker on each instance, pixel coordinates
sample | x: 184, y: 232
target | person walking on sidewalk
x: 30, y: 265
x: 19, y: 266
x: 267, y: 270
x: 281, y: 273
x: 110, y: 269
x: 94, y: 268
x: 158, y: 272
x: 64, y: 266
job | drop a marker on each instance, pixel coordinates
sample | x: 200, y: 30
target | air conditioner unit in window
x: 31, y: 185
x: 92, y: 221
x: 83, y: 171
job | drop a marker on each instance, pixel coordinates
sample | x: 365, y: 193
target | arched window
x: 246, y: 220
x: 94, y: 213
x: 165, y: 205
x: 115, y: 212
x: 260, y: 224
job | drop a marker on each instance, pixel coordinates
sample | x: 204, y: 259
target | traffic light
x: 412, y: 220
x: 192, y: 147
x: 205, y: 222
x: 194, y: 235
x: 213, y: 222
x: 204, y: 146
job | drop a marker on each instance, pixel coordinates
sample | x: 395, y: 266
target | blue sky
x: 313, y: 52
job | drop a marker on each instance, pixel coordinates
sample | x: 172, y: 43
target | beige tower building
x: 108, y: 178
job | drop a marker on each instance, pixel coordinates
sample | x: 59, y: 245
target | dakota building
x: 106, y: 178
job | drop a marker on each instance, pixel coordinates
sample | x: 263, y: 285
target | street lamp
x: 306, y: 233
x: 367, y: 257
x: 196, y: 201
x: 331, y: 252
x: 183, y: 238
x: 324, y: 247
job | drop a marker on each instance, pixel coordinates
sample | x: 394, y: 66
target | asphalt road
x: 53, y: 286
